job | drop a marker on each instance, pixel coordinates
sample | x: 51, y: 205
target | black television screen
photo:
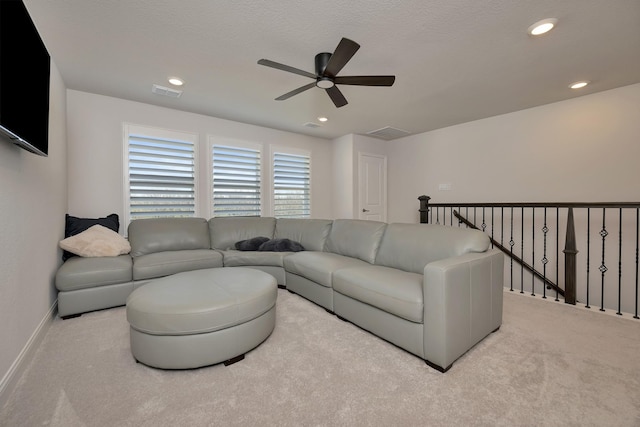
x: 24, y: 80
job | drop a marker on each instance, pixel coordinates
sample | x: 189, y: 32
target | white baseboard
x: 17, y: 368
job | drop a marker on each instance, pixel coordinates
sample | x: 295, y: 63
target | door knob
x: 365, y: 210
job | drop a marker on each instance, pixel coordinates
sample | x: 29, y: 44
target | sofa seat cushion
x: 318, y: 266
x: 233, y: 258
x: 170, y: 262
x: 80, y: 273
x: 394, y: 291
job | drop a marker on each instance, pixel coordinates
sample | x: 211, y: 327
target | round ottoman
x: 201, y: 317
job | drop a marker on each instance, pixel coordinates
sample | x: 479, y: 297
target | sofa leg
x: 437, y: 367
x: 282, y: 287
x: 233, y: 360
x: 71, y: 316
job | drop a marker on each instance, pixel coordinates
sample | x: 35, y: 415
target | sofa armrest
x: 462, y: 304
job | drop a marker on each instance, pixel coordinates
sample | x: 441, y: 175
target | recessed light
x: 322, y: 119
x: 176, y: 81
x: 542, y: 27
x: 578, y: 85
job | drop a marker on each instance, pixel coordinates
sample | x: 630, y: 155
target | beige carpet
x: 549, y: 365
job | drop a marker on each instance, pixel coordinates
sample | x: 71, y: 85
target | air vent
x: 166, y: 91
x: 388, y: 133
x: 311, y: 125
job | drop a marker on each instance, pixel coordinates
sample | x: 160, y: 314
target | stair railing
x: 586, y: 256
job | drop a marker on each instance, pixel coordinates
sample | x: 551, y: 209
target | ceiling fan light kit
x: 327, y: 66
x: 325, y: 83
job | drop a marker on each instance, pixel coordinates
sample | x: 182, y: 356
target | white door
x: 372, y: 187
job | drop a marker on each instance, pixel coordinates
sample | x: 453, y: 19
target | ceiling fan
x: 327, y: 67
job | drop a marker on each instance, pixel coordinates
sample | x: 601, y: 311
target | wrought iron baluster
x: 492, y: 227
x: 474, y: 216
x: 511, y: 243
x: 619, y: 261
x: 557, y: 250
x: 545, y: 230
x: 588, y: 251
x: 501, y: 226
x: 603, y: 268
x: 522, y: 249
x: 637, y: 273
x: 533, y: 249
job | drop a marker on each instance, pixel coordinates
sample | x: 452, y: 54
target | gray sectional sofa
x: 432, y: 290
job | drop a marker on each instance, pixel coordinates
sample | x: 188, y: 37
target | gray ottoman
x: 201, y: 317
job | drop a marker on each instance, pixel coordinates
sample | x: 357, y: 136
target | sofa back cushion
x: 410, y: 247
x: 148, y: 236
x: 226, y: 231
x: 310, y: 233
x: 355, y: 238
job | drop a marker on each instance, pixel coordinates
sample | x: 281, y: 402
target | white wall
x: 343, y: 177
x: 95, y: 128
x: 33, y: 201
x: 586, y: 149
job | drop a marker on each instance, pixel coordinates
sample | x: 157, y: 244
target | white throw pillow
x: 96, y: 241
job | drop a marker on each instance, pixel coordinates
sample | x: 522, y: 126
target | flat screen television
x: 24, y: 80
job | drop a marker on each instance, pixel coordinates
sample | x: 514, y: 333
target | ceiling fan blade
x: 296, y: 91
x: 365, y: 80
x: 337, y: 97
x: 343, y: 53
x: 283, y: 67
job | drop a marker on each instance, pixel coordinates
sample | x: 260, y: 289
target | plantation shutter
x: 161, y: 177
x: 291, y: 186
x: 236, y: 181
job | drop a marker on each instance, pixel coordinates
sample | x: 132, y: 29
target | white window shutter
x: 161, y: 177
x: 236, y: 181
x: 291, y: 186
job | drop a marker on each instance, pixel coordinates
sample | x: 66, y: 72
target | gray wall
x: 33, y: 201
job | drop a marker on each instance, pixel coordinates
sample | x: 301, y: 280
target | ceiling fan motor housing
x: 322, y: 59
x: 322, y: 81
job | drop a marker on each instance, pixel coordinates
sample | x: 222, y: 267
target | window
x: 162, y: 177
x: 236, y: 181
x: 291, y: 185
x: 161, y: 174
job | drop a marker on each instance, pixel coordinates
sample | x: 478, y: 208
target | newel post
x: 424, y: 209
x: 570, y: 252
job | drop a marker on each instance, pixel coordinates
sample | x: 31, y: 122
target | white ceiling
x: 454, y: 60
